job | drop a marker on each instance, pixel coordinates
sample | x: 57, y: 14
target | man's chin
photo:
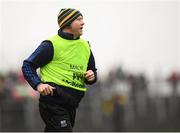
x: 80, y: 34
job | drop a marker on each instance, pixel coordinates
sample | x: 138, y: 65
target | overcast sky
x: 140, y: 35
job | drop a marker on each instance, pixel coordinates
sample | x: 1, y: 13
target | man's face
x: 77, y: 26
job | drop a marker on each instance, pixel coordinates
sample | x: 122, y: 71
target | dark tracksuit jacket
x: 42, y: 56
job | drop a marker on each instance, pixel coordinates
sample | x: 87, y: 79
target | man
x: 66, y: 64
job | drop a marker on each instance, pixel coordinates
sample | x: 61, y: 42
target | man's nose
x: 82, y: 22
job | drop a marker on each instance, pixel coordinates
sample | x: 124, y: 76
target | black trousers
x: 56, y: 117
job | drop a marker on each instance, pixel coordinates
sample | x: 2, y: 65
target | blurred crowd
x: 18, y: 103
x: 120, y: 101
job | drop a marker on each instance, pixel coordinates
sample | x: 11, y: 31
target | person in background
x: 66, y: 65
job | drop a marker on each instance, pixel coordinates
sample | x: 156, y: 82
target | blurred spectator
x: 118, y: 113
x: 2, y: 89
x: 174, y: 79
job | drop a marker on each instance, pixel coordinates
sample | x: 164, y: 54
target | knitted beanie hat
x: 66, y: 16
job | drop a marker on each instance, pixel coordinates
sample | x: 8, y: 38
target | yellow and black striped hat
x: 66, y: 16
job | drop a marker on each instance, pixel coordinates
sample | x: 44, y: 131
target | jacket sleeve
x: 92, y: 66
x: 40, y: 57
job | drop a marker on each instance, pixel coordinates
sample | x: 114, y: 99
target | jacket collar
x: 66, y: 35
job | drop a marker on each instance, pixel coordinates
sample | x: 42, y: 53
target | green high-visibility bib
x: 69, y: 63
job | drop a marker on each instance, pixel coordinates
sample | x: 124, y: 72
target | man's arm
x: 91, y: 74
x: 40, y: 57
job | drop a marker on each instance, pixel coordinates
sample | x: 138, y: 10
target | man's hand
x: 45, y: 89
x: 89, y: 75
